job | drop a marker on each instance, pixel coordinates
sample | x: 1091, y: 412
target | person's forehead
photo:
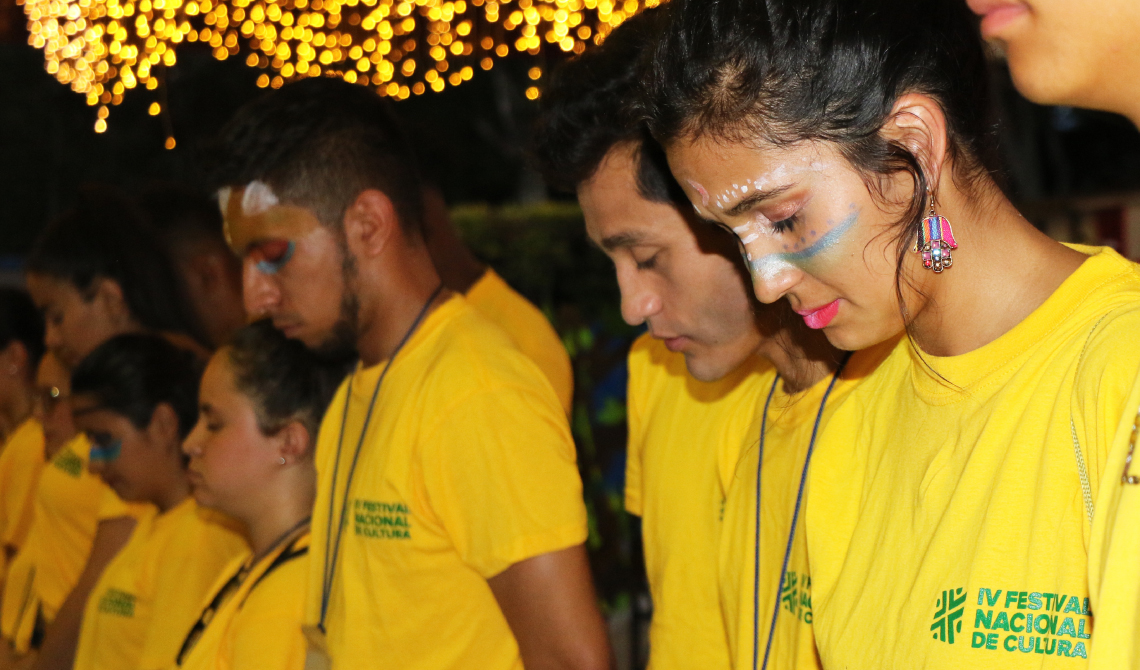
x: 252, y: 219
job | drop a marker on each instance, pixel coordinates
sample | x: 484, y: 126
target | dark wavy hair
x: 105, y: 237
x: 21, y: 322
x: 283, y: 379
x: 133, y: 374
x: 587, y: 110
x: 786, y: 71
x: 319, y: 143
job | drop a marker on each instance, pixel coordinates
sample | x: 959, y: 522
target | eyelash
x: 786, y: 225
x: 648, y: 263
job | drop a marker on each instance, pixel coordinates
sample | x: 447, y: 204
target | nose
x: 192, y: 445
x: 260, y: 292
x: 638, y: 299
x: 53, y: 338
x: 773, y: 278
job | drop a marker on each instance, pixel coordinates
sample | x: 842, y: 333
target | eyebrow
x: 621, y: 240
x: 754, y: 198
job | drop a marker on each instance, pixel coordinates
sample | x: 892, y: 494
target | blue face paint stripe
x: 829, y: 239
x: 272, y: 267
x: 106, y: 453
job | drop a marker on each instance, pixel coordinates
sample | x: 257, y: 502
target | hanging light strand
x: 103, y: 48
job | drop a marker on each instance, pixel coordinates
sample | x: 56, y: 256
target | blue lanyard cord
x: 795, y: 517
x: 330, y: 565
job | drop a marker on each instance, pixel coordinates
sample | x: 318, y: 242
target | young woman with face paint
x: 135, y: 398
x: 845, y: 143
x: 251, y: 457
x: 1086, y: 54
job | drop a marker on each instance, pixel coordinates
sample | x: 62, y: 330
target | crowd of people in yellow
x: 877, y: 420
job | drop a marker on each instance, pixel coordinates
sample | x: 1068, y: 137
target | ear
x: 163, y: 427
x: 294, y: 442
x: 370, y: 223
x: 15, y: 357
x: 109, y: 294
x: 918, y: 123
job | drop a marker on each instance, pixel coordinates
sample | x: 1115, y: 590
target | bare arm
x: 62, y: 636
x: 550, y: 604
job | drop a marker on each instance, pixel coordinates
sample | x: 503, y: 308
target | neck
x: 18, y: 411
x: 289, y: 500
x: 802, y: 357
x: 1003, y: 269
x: 392, y: 294
x: 173, y: 494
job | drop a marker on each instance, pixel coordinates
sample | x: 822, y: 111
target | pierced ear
x: 918, y: 123
x: 294, y: 443
x: 369, y: 223
x: 163, y: 427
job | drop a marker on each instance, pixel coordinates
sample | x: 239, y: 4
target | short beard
x: 340, y: 345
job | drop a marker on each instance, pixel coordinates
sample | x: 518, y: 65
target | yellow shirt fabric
x: 948, y: 525
x: 258, y: 626
x: 684, y: 439
x: 528, y: 328
x: 151, y: 593
x: 467, y: 468
x: 748, y: 611
x: 1113, y: 562
x: 70, y: 503
x: 20, y: 466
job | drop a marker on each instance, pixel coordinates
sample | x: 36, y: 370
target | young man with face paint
x: 951, y: 505
x: 713, y: 365
x: 449, y: 521
x: 1085, y: 54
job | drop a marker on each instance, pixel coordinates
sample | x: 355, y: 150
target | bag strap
x: 1082, y: 468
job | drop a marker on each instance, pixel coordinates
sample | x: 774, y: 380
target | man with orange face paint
x: 720, y: 388
x: 449, y: 523
x: 1085, y: 54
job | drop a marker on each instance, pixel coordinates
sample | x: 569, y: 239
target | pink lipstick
x: 821, y: 316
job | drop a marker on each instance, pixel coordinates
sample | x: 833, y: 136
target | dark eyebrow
x: 754, y: 198
x: 621, y: 240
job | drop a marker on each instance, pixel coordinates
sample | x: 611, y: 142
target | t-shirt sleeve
x: 267, y: 632
x: 635, y: 435
x: 1107, y: 395
x: 500, y: 474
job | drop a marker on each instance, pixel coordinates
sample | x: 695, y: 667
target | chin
x: 705, y: 370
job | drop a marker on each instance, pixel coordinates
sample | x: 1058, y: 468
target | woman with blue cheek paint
x: 135, y: 398
x: 952, y: 496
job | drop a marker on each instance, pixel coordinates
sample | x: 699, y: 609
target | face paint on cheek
x: 105, y: 453
x: 769, y: 266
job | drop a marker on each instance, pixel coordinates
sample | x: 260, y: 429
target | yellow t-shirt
x: 258, y: 625
x: 20, y: 466
x: 950, y: 519
x: 1113, y: 574
x: 467, y: 468
x: 684, y: 439
x: 748, y: 611
x: 528, y: 328
x: 151, y: 593
x: 70, y: 503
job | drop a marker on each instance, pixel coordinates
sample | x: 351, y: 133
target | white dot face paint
x: 257, y: 198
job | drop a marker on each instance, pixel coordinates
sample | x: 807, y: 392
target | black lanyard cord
x: 330, y: 565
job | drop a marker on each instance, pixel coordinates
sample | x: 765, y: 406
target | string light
x: 104, y: 48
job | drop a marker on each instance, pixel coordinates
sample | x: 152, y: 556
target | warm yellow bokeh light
x: 104, y: 48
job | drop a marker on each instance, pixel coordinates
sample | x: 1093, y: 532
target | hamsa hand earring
x: 935, y: 241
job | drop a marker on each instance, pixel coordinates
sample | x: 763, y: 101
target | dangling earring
x: 935, y: 241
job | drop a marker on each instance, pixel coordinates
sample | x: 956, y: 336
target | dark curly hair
x: 587, y: 111
x: 283, y: 379
x: 319, y: 143
x: 133, y: 374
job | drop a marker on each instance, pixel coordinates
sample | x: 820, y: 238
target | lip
x: 997, y: 14
x: 820, y: 317
x: 674, y: 344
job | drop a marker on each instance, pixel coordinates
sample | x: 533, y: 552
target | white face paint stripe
x: 258, y: 198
